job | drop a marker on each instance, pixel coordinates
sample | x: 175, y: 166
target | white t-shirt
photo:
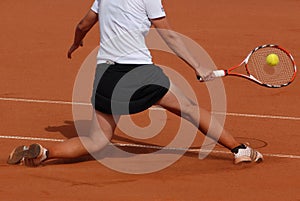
x: 123, y: 27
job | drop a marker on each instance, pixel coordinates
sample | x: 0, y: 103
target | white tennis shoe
x: 247, y: 155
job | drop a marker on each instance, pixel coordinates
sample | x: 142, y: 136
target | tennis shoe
x: 36, y: 154
x: 247, y: 155
x: 17, y: 155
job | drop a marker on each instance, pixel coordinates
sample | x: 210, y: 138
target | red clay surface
x: 35, y: 36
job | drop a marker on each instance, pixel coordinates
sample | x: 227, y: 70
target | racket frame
x: 220, y: 73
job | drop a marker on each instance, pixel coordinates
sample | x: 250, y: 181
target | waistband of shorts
x: 109, y: 62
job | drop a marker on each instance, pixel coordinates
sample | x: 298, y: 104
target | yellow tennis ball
x: 272, y: 59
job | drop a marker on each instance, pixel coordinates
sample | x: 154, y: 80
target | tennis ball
x: 272, y: 59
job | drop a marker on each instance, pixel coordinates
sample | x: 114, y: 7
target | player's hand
x: 73, y: 48
x: 207, y: 77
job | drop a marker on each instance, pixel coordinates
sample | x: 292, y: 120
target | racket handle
x: 217, y: 73
x: 220, y: 73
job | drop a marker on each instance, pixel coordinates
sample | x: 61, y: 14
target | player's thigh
x: 177, y: 102
x: 103, y: 125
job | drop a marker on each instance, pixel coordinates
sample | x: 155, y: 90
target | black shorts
x: 128, y: 88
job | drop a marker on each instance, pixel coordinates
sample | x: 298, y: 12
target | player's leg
x: 190, y: 111
x: 101, y: 132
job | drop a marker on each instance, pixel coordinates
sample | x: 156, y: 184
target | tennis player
x: 128, y: 82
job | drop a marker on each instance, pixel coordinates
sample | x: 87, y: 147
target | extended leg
x: 190, y: 111
x: 100, y: 134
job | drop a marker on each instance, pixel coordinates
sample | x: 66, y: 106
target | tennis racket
x: 259, y: 71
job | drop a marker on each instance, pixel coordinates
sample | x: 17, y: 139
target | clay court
x: 36, y: 89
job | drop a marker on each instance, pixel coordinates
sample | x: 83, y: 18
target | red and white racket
x: 259, y: 71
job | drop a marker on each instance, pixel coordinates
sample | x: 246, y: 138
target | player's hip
x: 133, y: 87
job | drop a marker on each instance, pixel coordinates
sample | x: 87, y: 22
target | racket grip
x: 217, y: 73
x: 220, y: 73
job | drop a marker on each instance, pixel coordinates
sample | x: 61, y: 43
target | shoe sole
x: 17, y: 155
x: 34, y: 151
x: 244, y: 159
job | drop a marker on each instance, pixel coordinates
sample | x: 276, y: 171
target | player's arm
x: 83, y: 27
x: 177, y: 45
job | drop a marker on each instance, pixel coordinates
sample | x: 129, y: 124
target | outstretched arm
x: 177, y: 45
x: 82, y: 29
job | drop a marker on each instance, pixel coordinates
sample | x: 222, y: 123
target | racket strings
x: 280, y: 74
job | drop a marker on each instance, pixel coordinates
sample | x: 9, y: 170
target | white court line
x: 290, y: 156
x: 263, y: 116
x: 42, y: 101
x: 30, y: 138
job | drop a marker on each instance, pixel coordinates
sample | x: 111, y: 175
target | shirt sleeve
x: 95, y: 6
x: 154, y: 9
